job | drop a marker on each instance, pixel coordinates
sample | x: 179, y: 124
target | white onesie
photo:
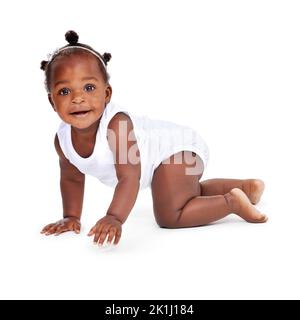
x: 157, y: 140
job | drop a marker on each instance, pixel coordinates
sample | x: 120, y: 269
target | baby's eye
x: 64, y: 91
x: 89, y: 87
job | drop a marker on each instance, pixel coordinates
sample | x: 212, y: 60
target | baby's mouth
x: 80, y: 113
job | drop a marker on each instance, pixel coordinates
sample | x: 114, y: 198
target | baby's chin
x: 80, y: 124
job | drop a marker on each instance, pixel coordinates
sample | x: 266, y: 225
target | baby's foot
x: 242, y: 206
x: 254, y: 189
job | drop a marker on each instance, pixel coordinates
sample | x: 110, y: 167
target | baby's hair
x: 74, y: 47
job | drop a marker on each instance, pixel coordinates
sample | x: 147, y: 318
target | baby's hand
x: 64, y: 225
x: 107, y: 226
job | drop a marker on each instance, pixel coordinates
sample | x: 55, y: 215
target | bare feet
x: 254, y: 189
x: 242, y: 206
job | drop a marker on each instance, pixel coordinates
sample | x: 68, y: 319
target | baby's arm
x: 123, y: 145
x: 72, y: 191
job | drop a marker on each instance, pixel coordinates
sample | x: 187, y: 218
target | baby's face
x: 78, y: 91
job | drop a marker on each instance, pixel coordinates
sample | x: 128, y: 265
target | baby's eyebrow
x: 60, y: 82
x: 89, y: 78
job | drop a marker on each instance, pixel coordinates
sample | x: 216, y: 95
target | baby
x: 129, y: 153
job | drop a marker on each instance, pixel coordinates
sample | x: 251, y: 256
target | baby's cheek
x: 97, y: 98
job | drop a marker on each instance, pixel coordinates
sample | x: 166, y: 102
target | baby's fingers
x: 112, y: 233
x: 77, y: 228
x: 61, y: 229
x: 92, y: 231
x: 97, y: 236
x: 101, y: 234
x: 102, y: 237
x: 118, y: 236
x: 51, y: 230
x: 48, y: 226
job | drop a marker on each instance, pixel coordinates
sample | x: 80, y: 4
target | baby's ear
x: 51, y: 102
x: 108, y: 92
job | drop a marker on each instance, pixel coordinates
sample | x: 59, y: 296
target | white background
x: 231, y: 70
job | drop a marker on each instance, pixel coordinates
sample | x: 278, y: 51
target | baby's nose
x: 78, y: 99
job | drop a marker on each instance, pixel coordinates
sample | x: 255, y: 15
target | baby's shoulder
x: 120, y: 124
x: 58, y: 148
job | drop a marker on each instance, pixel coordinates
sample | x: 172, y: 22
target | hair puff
x: 44, y: 65
x: 72, y: 37
x: 106, y: 57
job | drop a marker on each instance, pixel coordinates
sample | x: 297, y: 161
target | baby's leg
x: 178, y: 200
x: 213, y: 208
x: 253, y: 188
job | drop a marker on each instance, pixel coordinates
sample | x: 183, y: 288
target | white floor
x: 230, y: 259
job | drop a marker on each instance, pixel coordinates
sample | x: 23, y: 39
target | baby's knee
x: 169, y: 220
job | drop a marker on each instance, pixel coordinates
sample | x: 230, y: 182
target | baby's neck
x: 83, y: 140
x: 86, y: 133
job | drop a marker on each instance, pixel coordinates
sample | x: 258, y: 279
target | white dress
x: 157, y: 140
